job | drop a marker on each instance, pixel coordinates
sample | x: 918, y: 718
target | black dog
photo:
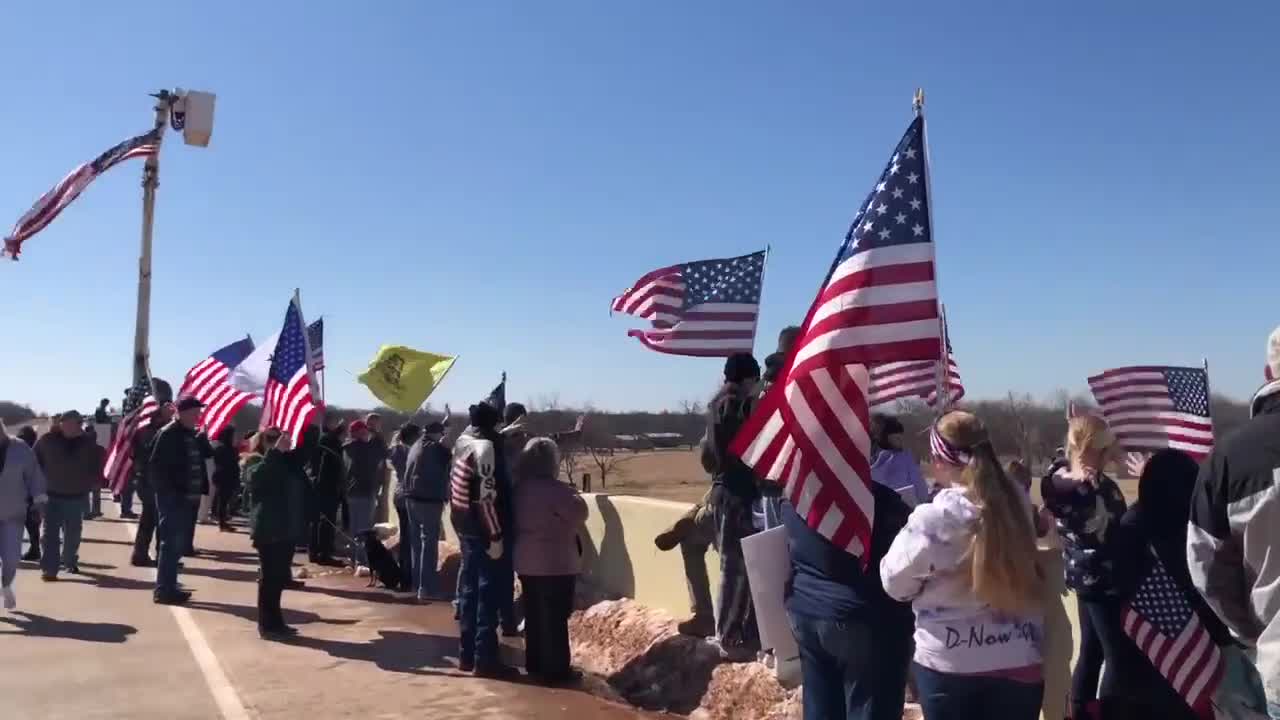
x: 383, y: 567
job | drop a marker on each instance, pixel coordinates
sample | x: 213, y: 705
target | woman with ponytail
x: 1088, y: 506
x: 967, y: 564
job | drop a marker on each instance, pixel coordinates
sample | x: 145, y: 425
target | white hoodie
x: 955, y: 631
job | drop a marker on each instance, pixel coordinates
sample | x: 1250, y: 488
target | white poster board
x: 768, y: 562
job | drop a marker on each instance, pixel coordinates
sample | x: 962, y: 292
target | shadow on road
x: 41, y: 626
x: 250, y: 613
x: 371, y: 595
x: 394, y: 651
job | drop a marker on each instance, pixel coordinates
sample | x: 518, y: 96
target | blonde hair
x: 1087, y: 434
x: 1002, y: 555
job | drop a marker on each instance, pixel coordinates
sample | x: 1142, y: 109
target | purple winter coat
x: 548, y: 515
x: 897, y: 470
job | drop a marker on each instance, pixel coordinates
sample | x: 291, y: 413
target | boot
x: 668, y: 539
x: 698, y: 626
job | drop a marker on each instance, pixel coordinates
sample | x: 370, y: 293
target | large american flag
x: 914, y: 379
x: 878, y: 304
x: 290, y: 401
x: 704, y: 308
x: 1167, y: 630
x: 69, y: 188
x: 139, y: 409
x: 207, y: 381
x: 1154, y: 407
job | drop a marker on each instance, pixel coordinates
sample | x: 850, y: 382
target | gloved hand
x: 495, y: 550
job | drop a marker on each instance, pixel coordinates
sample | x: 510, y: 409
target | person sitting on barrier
x: 694, y: 532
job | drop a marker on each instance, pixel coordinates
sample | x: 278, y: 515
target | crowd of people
x: 949, y: 596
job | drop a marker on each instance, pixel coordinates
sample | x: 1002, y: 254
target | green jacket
x: 275, y: 488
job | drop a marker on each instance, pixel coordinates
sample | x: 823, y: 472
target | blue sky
x: 481, y: 178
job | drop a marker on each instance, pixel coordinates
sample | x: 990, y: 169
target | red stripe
x: 871, y: 354
x: 677, y: 334
x: 864, y: 315
x: 1116, y: 372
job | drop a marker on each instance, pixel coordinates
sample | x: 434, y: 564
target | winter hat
x: 741, y: 366
x: 1273, y: 356
x: 484, y: 416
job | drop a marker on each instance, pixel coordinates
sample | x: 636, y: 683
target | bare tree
x: 692, y: 407
x: 599, y: 445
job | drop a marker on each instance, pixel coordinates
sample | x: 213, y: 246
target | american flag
x: 65, y: 192
x: 706, y: 308
x: 315, y: 337
x: 139, y: 408
x: 877, y: 305
x: 207, y: 382
x: 914, y: 378
x: 1151, y: 407
x: 290, y: 402
x: 498, y: 396
x: 1167, y: 630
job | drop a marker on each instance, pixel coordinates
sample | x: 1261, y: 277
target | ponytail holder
x: 946, y: 452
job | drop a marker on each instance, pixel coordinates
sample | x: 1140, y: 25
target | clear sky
x: 481, y: 178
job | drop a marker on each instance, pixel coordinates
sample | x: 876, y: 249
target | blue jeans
x: 478, y: 601
x: 63, y: 523
x: 174, y: 511
x: 853, y: 670
x: 947, y: 696
x: 424, y: 533
x: 126, y: 498
x: 10, y: 550
x: 361, y: 516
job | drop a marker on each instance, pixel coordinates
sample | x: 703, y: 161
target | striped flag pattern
x: 139, y: 408
x: 1167, y: 630
x: 1153, y: 407
x: 315, y: 337
x: 878, y: 304
x: 207, y: 382
x: 289, y: 400
x: 915, y: 379
x: 52, y: 203
x: 706, y: 308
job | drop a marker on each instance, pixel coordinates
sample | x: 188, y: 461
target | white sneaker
x: 362, y: 571
x: 10, y: 600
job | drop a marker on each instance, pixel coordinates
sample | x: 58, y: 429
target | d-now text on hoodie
x: 977, y: 636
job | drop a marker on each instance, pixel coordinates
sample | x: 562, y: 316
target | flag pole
x: 1208, y: 389
x: 755, y: 328
x: 150, y: 181
x: 942, y: 371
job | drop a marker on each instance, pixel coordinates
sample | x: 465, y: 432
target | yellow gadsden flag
x: 404, y: 378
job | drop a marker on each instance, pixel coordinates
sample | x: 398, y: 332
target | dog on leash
x: 383, y: 567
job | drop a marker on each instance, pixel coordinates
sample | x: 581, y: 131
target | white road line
x: 224, y: 693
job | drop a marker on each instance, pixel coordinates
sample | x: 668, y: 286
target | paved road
x: 94, y: 646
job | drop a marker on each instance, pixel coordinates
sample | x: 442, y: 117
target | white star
x: 915, y: 203
x: 895, y: 158
x: 911, y: 153
x: 901, y: 218
x: 880, y: 188
x: 917, y: 230
x: 882, y: 209
x: 912, y: 178
x: 866, y: 226
x: 884, y: 234
x: 897, y: 193
x: 894, y: 170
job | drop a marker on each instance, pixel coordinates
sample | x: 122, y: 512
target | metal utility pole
x: 150, y: 181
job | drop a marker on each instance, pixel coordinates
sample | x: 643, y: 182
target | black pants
x: 1102, y: 639
x: 223, y: 495
x: 736, y: 620
x: 273, y: 560
x: 33, y: 530
x: 325, y: 504
x: 548, y: 602
x: 404, y: 549
x: 146, y: 525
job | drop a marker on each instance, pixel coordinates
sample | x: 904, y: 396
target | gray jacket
x: 1234, y: 532
x: 20, y: 479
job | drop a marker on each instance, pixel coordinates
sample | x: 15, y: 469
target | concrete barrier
x: 620, y: 560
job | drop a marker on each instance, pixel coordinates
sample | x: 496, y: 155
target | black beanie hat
x: 484, y: 416
x: 741, y: 366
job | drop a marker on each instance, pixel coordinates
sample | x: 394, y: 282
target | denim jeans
x: 146, y: 526
x: 948, y: 696
x: 174, y: 511
x: 404, y: 548
x: 424, y: 533
x: 63, y: 523
x: 478, y: 604
x: 10, y: 550
x: 852, y: 669
x: 189, y: 529
x: 126, y: 498
x: 361, y: 519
